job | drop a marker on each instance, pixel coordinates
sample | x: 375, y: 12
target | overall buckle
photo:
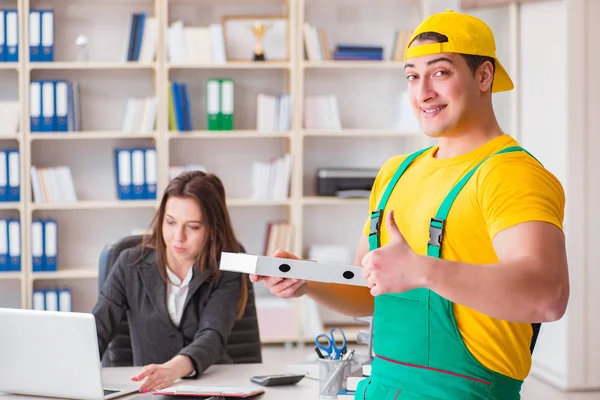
x: 375, y: 224
x: 436, y: 232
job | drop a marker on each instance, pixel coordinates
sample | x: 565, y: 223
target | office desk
x: 229, y: 375
x: 219, y: 375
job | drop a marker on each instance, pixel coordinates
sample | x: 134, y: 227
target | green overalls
x: 419, y: 350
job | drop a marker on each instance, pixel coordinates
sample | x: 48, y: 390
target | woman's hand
x: 161, y: 376
x: 282, y: 287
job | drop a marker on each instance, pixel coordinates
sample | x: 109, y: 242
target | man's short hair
x: 473, y: 61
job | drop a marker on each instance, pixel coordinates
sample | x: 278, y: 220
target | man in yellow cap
x: 471, y: 257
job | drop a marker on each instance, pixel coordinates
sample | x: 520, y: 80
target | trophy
x: 259, y: 32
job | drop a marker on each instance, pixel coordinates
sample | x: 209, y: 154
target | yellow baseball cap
x: 466, y: 34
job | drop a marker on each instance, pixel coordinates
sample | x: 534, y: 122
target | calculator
x: 277, y: 379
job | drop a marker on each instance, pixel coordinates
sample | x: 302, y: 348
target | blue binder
x: 123, y: 174
x: 35, y: 35
x: 2, y: 36
x: 37, y: 245
x: 14, y: 174
x: 47, y: 35
x: 150, y: 173
x: 4, y: 261
x: 61, y: 105
x: 11, y: 39
x: 35, y: 105
x: 50, y: 257
x: 138, y: 173
x: 14, y: 244
x: 48, y: 101
x: 4, y: 189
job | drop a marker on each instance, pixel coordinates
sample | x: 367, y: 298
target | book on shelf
x: 52, y: 300
x: 271, y: 180
x: 140, y: 114
x: 54, y: 106
x: 41, y: 35
x: 143, y: 38
x: 44, y: 245
x: 136, y: 173
x: 179, y: 107
x: 10, y: 245
x: 279, y: 236
x: 317, y: 49
x: 273, y: 113
x: 199, y: 45
x: 358, y: 52
x: 315, y: 43
x: 53, y: 185
x: 399, y: 43
x: 322, y: 112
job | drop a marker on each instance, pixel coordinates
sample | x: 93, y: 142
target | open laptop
x: 52, y: 354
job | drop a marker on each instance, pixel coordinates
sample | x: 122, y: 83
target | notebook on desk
x: 52, y: 354
x: 209, y: 391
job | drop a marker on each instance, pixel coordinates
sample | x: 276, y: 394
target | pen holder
x: 332, y: 376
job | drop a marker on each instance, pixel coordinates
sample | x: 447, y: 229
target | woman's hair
x: 208, y: 192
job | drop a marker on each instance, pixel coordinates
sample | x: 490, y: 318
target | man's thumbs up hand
x: 394, y: 267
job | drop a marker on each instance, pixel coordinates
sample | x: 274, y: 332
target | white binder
x: 296, y: 269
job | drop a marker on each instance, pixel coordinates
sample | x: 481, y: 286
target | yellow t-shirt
x: 507, y: 189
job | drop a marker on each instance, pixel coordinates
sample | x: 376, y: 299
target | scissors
x: 331, y: 348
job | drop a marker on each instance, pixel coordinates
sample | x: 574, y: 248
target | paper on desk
x: 231, y: 391
x: 309, y: 370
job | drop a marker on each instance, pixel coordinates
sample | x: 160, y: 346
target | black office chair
x: 243, y: 344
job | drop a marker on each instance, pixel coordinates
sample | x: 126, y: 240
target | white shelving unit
x: 367, y: 94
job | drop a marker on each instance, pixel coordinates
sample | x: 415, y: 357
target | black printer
x: 345, y: 182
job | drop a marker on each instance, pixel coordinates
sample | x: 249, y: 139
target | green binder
x: 227, y: 104
x: 213, y: 105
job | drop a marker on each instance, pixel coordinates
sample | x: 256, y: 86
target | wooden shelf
x: 331, y: 201
x: 67, y: 273
x: 256, y: 203
x: 9, y: 205
x: 336, y: 64
x: 359, y: 133
x: 90, y: 135
x: 232, y: 65
x: 10, y: 66
x: 15, y: 136
x: 6, y: 276
x: 97, y: 205
x: 63, y: 65
x: 249, y: 134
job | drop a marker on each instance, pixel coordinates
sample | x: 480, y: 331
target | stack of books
x: 358, y: 52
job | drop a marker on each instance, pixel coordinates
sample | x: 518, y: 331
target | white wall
x: 543, y: 128
x: 559, y: 108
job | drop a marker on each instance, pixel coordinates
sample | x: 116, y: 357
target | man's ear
x: 485, y: 76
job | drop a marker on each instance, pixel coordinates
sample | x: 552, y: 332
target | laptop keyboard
x: 110, y: 391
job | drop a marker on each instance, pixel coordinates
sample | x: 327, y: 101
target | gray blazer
x: 134, y: 286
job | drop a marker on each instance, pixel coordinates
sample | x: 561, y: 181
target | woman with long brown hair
x: 180, y: 306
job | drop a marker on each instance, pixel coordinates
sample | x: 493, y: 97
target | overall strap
x: 377, y: 214
x: 436, y: 225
